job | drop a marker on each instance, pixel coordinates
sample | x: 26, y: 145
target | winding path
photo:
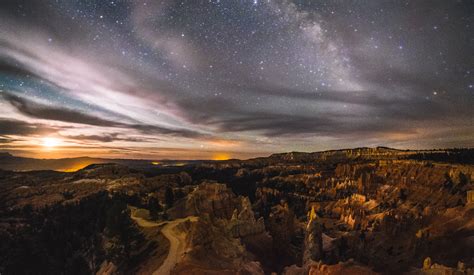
x: 177, y: 240
x: 177, y: 245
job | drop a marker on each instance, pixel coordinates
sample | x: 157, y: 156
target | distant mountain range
x: 462, y: 155
x: 14, y: 163
x: 10, y: 162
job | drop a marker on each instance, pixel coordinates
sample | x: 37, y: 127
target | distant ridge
x: 5, y: 155
x: 15, y: 163
x: 461, y: 155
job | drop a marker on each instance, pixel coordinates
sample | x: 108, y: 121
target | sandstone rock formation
x: 243, y: 222
x: 386, y: 209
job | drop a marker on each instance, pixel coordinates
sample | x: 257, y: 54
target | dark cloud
x: 42, y: 111
x: 12, y: 69
x: 382, y: 114
x: 21, y: 128
x: 152, y: 129
x: 105, y: 138
x: 6, y: 140
x: 290, y: 125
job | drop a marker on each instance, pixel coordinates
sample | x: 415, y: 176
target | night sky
x: 233, y: 78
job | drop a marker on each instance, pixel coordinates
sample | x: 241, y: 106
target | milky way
x: 235, y: 78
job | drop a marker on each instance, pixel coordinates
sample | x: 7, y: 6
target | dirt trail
x: 177, y: 241
x: 177, y: 245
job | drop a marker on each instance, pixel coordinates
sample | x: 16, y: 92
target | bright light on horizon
x: 221, y: 156
x: 50, y: 142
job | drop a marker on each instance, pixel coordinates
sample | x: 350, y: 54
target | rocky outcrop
x: 218, y: 202
x: 281, y: 225
x: 340, y: 269
x: 106, y: 170
x: 243, y: 222
x: 430, y: 268
x: 253, y: 268
x: 212, y: 249
x: 212, y: 199
x: 107, y: 268
x: 313, y: 242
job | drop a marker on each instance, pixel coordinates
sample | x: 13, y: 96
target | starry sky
x: 219, y: 79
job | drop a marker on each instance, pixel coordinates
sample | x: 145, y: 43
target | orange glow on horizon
x: 35, y: 149
x: 76, y: 167
x: 221, y: 156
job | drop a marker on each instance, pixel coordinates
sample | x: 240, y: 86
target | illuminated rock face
x: 212, y: 199
x: 313, y: 243
x: 243, y: 223
x: 311, y: 216
x: 427, y: 263
x: 470, y: 197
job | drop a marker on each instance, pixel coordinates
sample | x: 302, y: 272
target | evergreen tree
x: 169, y: 197
x: 154, y: 208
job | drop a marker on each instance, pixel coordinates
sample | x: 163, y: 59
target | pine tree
x: 169, y: 197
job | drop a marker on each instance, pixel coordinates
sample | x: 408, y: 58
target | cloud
x: 4, y: 140
x: 47, y: 112
x: 21, y: 128
x: 12, y: 69
x: 104, y: 138
x: 42, y: 111
x: 333, y: 113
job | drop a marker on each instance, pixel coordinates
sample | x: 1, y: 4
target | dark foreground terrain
x: 359, y: 211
